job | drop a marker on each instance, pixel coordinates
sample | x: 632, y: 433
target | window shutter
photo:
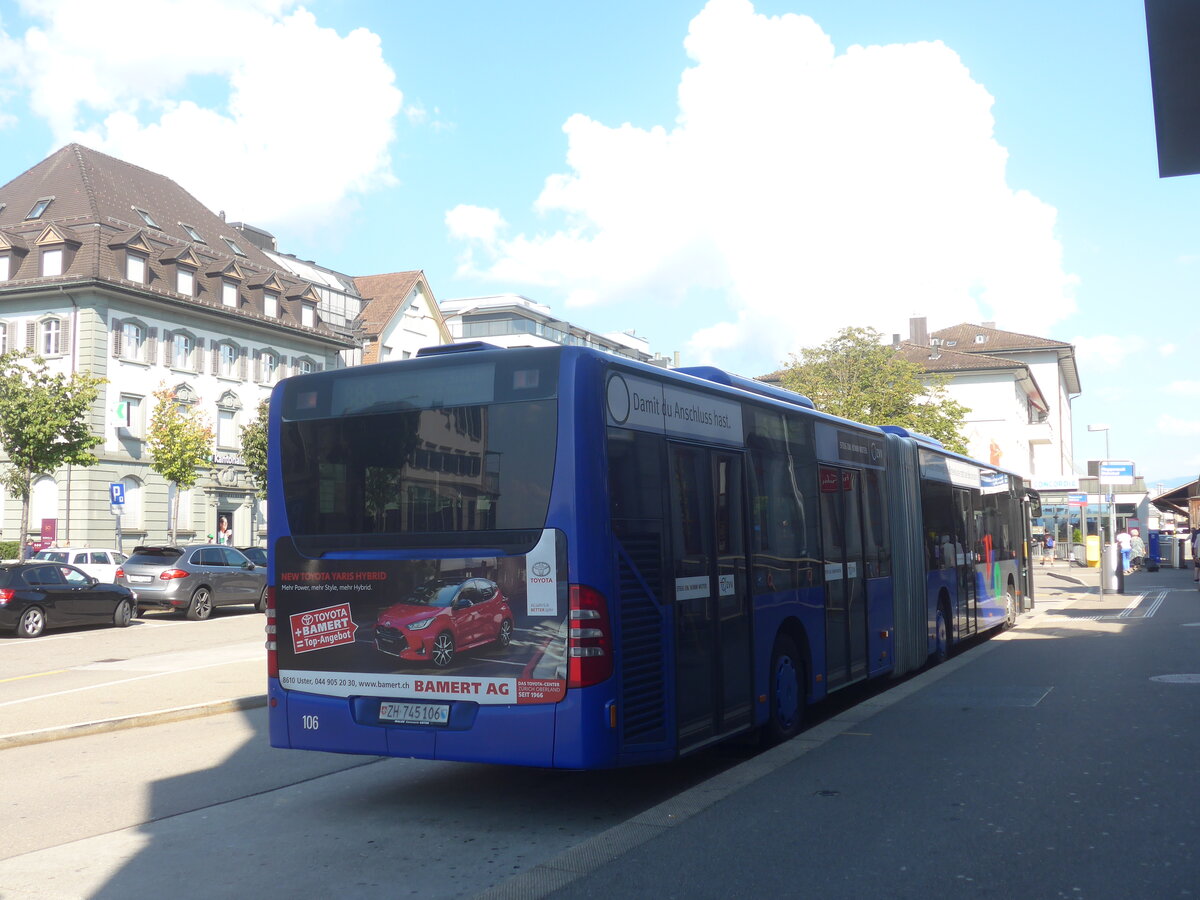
x: 116, y: 332
x: 258, y: 373
x: 152, y: 346
x: 12, y: 335
x: 168, y: 359
x: 243, y: 365
x: 64, y: 336
x: 320, y: 367
x: 30, y: 335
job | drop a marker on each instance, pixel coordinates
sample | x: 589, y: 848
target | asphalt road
x: 1058, y: 759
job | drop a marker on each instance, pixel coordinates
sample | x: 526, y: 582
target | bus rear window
x: 477, y: 468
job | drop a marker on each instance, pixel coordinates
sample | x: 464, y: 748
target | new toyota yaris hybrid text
x: 443, y: 618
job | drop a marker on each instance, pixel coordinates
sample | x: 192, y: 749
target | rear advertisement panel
x: 489, y: 629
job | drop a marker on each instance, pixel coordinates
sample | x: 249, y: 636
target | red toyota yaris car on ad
x: 443, y: 618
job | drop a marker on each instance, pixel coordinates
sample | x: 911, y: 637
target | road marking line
x: 92, y: 687
x: 33, y: 675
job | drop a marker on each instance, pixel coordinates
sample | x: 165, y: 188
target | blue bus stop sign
x: 116, y: 493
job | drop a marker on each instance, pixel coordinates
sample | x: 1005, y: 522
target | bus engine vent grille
x: 644, y: 649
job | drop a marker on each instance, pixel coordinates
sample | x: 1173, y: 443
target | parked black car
x: 38, y: 595
x: 193, y: 578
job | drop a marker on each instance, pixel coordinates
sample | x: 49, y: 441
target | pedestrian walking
x: 1196, y: 555
x: 1049, y: 549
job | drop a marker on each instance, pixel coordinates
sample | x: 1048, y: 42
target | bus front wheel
x: 786, y: 692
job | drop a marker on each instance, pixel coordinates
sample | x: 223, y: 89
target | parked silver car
x: 193, y: 578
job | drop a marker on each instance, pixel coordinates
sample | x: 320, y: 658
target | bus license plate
x: 414, y: 713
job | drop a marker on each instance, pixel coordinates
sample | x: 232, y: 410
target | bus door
x: 845, y: 576
x: 967, y: 612
x: 712, y: 605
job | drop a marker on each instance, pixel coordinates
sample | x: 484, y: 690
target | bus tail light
x: 589, y: 638
x: 272, y: 647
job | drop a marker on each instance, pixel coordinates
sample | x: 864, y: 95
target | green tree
x: 856, y: 376
x: 254, y: 449
x: 43, y: 423
x: 180, y: 441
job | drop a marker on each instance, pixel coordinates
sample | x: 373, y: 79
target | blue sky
x: 734, y: 181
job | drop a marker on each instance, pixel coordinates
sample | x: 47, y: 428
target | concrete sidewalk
x: 111, y: 696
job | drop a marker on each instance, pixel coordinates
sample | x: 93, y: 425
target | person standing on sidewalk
x: 1196, y: 555
x: 1049, y: 551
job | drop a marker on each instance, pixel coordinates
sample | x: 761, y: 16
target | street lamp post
x: 1112, y: 506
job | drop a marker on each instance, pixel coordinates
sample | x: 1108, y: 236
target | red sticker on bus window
x: 320, y: 629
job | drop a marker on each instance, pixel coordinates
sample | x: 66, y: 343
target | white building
x: 510, y: 320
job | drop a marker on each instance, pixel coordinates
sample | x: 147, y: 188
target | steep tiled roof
x: 93, y: 189
x: 387, y: 294
x: 944, y: 359
x: 966, y: 339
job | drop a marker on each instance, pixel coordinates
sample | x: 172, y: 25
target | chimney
x: 918, y: 333
x: 895, y: 341
x: 991, y: 325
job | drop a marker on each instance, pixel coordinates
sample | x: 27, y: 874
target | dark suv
x: 193, y: 578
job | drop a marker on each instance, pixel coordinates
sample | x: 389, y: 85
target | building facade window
x: 135, y: 267
x: 51, y: 342
x: 5, y: 267
x: 304, y: 367
x: 271, y: 304
x: 229, y: 293
x: 227, y: 430
x: 307, y: 315
x: 133, y: 341
x: 268, y: 365
x: 227, y: 365
x: 181, y: 351
x: 129, y: 415
x: 185, y: 281
x: 52, y: 262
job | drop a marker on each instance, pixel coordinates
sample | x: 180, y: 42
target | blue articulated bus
x: 556, y: 557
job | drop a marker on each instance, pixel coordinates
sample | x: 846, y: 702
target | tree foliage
x: 856, y: 376
x: 43, y: 423
x: 254, y: 449
x: 180, y: 440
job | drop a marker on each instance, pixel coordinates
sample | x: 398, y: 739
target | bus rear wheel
x: 941, y: 647
x: 785, y: 692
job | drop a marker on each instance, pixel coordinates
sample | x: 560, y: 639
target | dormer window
x: 229, y: 293
x: 135, y: 267
x: 39, y: 208
x: 185, y: 281
x: 5, y: 267
x: 192, y: 233
x: 52, y: 262
x: 233, y: 246
x: 146, y: 217
x: 308, y: 315
x: 981, y: 338
x: 270, y: 305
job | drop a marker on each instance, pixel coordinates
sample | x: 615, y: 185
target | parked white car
x: 99, y: 562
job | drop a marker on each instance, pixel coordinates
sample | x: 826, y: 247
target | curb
x: 138, y: 720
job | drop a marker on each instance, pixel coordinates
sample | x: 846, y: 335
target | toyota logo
x: 541, y: 569
x: 306, y: 620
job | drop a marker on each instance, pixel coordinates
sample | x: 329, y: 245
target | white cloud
x: 270, y: 92
x: 1172, y: 426
x: 1184, y: 388
x: 1107, y: 349
x: 806, y: 189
